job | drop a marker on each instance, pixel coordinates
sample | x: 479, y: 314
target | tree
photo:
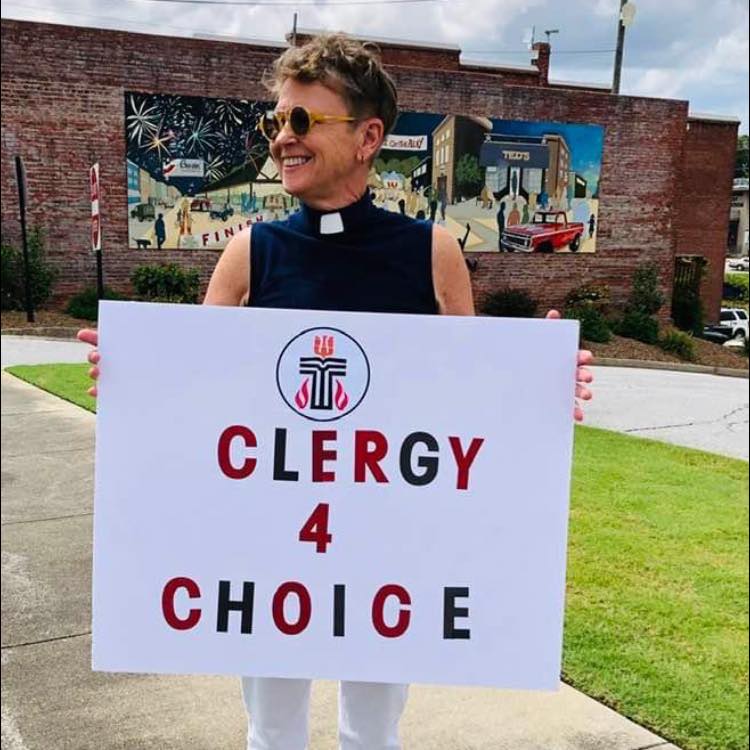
x: 741, y: 166
x: 469, y: 175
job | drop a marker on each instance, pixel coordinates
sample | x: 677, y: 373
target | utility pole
x: 624, y: 19
x: 294, y: 31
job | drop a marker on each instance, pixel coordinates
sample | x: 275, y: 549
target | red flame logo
x: 323, y: 346
x: 302, y: 397
x: 341, y: 398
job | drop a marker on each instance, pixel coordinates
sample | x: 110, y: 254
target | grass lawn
x: 657, y: 605
x: 69, y: 381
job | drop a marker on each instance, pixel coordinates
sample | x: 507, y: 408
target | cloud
x: 675, y: 48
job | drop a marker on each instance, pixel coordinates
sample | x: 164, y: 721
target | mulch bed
x: 707, y: 353
x: 43, y: 319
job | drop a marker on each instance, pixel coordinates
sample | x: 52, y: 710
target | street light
x: 625, y: 19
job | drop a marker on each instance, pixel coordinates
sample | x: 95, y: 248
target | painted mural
x: 199, y: 172
x: 497, y: 185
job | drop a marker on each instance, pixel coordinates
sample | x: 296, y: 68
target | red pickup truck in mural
x: 547, y: 232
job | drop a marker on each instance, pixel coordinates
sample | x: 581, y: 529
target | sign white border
x: 175, y: 377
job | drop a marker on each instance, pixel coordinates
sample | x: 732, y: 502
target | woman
x: 338, y: 252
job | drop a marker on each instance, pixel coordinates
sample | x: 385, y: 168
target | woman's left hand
x: 583, y: 374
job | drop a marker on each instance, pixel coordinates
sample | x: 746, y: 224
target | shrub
x: 645, y: 296
x: 594, y: 326
x: 42, y: 276
x: 591, y: 294
x: 736, y: 287
x: 588, y: 304
x: 679, y: 343
x: 85, y: 304
x: 510, y: 303
x: 687, y: 310
x: 644, y: 301
x: 639, y: 326
x: 166, y: 283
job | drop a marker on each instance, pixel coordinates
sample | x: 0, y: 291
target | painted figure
x: 433, y: 209
x: 500, y: 226
x: 160, y: 230
x: 514, y: 217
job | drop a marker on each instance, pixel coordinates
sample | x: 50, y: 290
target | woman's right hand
x: 90, y: 336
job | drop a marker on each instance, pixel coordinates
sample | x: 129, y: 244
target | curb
x: 644, y: 364
x: 47, y: 332
x: 66, y: 332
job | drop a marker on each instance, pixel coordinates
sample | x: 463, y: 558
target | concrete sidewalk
x: 51, y: 700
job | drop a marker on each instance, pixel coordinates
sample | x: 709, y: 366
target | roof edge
x: 408, y: 43
x: 708, y: 117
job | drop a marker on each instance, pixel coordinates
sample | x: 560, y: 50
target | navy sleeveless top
x: 374, y: 261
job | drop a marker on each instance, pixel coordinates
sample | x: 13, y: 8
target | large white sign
x: 336, y: 495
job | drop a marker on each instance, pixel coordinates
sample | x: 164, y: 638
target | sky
x: 681, y: 49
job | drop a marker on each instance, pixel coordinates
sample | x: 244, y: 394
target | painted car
x: 739, y: 264
x: 548, y: 231
x: 219, y: 211
x: 200, y: 204
x: 143, y: 212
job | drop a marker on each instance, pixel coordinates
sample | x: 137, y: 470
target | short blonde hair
x: 350, y: 68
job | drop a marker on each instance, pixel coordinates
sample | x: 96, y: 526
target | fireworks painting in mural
x: 198, y: 171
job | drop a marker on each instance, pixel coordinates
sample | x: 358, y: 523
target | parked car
x: 733, y: 324
x: 143, y: 212
x: 716, y: 334
x: 736, y: 320
x: 548, y: 231
x: 739, y: 264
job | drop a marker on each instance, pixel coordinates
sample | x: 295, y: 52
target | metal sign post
x: 21, y: 180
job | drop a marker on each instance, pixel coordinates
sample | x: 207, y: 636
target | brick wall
x: 62, y: 99
x: 704, y: 199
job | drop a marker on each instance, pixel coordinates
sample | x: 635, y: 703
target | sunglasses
x: 300, y: 120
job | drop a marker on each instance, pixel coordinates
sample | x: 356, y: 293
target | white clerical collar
x: 331, y: 223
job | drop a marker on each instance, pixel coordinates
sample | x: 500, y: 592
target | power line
x: 554, y: 51
x: 295, y: 3
x: 153, y: 27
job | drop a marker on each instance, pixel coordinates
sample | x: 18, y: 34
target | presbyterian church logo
x: 323, y: 374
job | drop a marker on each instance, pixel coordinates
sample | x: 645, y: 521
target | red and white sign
x: 332, y: 495
x: 395, y: 142
x: 184, y: 168
x: 96, y: 224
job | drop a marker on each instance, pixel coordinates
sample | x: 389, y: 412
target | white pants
x: 369, y: 714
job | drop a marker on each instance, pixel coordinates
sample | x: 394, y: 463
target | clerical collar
x: 336, y: 223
